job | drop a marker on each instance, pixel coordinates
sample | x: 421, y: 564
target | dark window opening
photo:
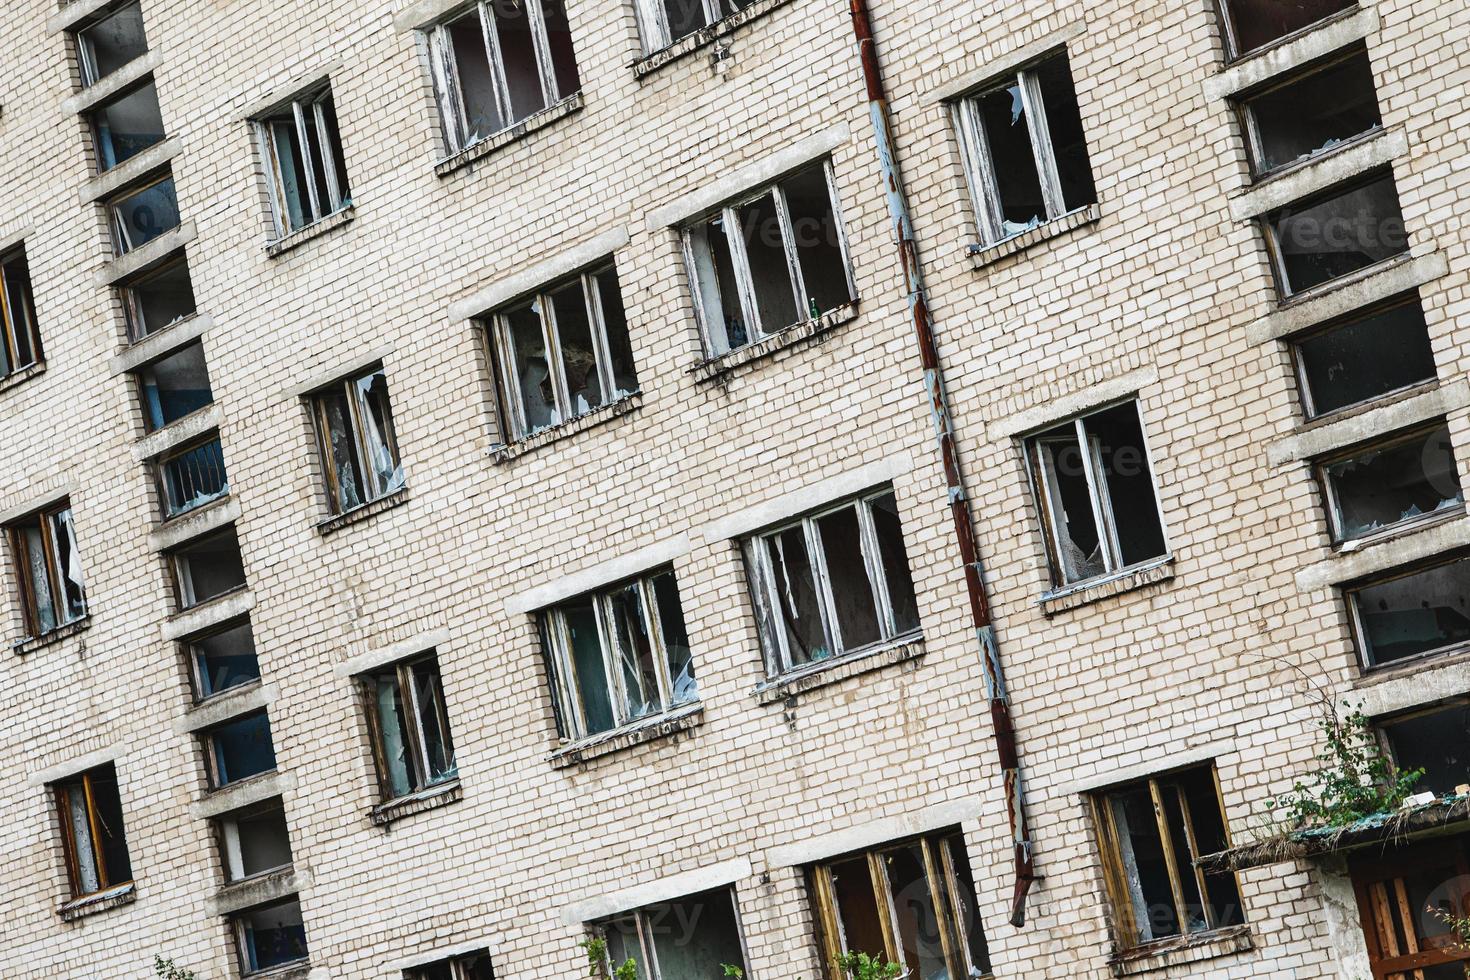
x: 19, y: 344
x: 191, y: 477
x: 270, y: 936
x: 239, y: 749
x: 127, y: 125
x: 1312, y: 114
x: 1414, y: 614
x: 410, y: 725
x: 254, y: 841
x: 111, y: 42
x: 223, y: 659
x: 1334, y: 235
x: 92, y: 831
x: 1436, y: 741
x: 1387, y: 485
x: 208, y: 568
x: 690, y: 937
x: 140, y: 215
x: 49, y: 569
x: 1364, y: 357
x: 174, y: 386
x: 358, y: 441
x: 1254, y: 24
x: 158, y: 298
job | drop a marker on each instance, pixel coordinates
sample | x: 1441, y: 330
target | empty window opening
x: 1436, y: 741
x: 1414, y: 614
x: 92, y: 831
x: 619, y: 655
x: 686, y: 938
x: 223, y: 659
x: 466, y: 966
x: 142, y: 214
x: 239, y: 749
x: 1312, y: 113
x: 1364, y: 357
x: 174, y: 386
x: 208, y: 567
x: 357, y: 441
x: 911, y: 903
x: 254, y: 841
x: 19, y: 346
x: 303, y: 150
x: 833, y: 583
x: 770, y: 261
x: 666, y: 21
x: 1336, y: 234
x: 49, y: 569
x: 562, y: 353
x: 127, y: 125
x: 410, y: 727
x: 1025, y: 151
x: 1151, y: 833
x: 191, y: 477
x: 158, y: 298
x: 1391, y: 484
x: 1095, y: 487
x: 269, y: 936
x: 498, y: 64
x: 1252, y: 24
x: 1402, y: 892
x: 110, y: 43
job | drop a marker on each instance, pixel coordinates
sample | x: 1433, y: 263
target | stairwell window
x: 20, y: 346
x: 1025, y: 150
x: 92, y: 831
x: 498, y: 63
x: 410, y: 727
x: 306, y: 173
x: 465, y: 966
x: 192, y: 476
x: 142, y: 213
x: 254, y: 840
x: 690, y: 937
x: 666, y: 21
x: 1415, y: 613
x: 1252, y: 24
x: 1336, y: 233
x: 49, y: 567
x: 1393, y: 483
x: 111, y: 41
x: 238, y: 749
x: 357, y: 441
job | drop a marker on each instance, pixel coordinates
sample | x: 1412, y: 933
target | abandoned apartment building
x: 696, y: 488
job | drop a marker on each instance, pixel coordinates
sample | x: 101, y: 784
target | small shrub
x: 1353, y: 779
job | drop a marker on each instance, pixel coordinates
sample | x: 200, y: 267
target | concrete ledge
x: 365, y: 512
x: 1318, y: 42
x: 74, y: 14
x: 439, y: 954
x: 596, y: 576
x: 540, y: 274
x: 124, y: 77
x: 195, y: 523
x: 285, y: 91
x: 837, y: 670
x: 704, y: 37
x: 215, y: 612
x: 348, y: 366
x: 31, y: 644
x: 1315, y: 309
x: 14, y: 509
x: 430, y: 799
x: 496, y: 142
x: 266, y: 888
x: 1086, y: 593
x: 392, y: 653
x: 178, y: 432
x: 716, y: 368
x: 747, y: 178
x: 222, y: 707
x: 109, y: 182
x: 1078, y: 402
x: 1342, y: 433
x: 790, y: 505
x: 1008, y: 64
x: 668, y: 725
x: 1378, y: 557
x: 424, y: 14
x: 860, y: 837
x: 601, y: 415
x: 337, y: 219
x: 666, y: 889
x: 982, y: 256
x: 100, y: 902
x: 1181, y: 951
x: 151, y: 253
x: 160, y: 343
x: 247, y: 792
x: 1335, y: 167
x: 75, y: 766
x: 1413, y: 685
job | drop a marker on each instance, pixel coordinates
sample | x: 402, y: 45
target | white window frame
x: 695, y: 257
x: 307, y: 110
x: 653, y: 22
x: 87, y: 56
x: 373, y: 488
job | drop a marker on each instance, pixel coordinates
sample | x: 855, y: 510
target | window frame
x: 556, y: 646
x: 499, y: 337
x: 1331, y: 498
x: 653, y: 25
x: 239, y: 931
x: 87, y: 57
x: 122, y: 239
x: 183, y: 582
x: 1382, y: 723
x: 1359, y: 628
x: 458, y: 964
x: 132, y: 307
x: 740, y: 262
x: 1250, y: 128
x: 213, y: 762
x: 448, y: 90
x: 45, y: 517
x: 415, y: 752
x: 1299, y: 364
x: 160, y: 466
x: 1233, y: 53
x: 357, y: 412
x: 310, y: 100
x: 1277, y: 257
x: 10, y: 334
x: 190, y: 648
x: 643, y: 929
x: 61, y: 793
x: 231, y: 854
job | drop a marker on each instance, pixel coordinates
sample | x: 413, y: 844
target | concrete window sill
x: 495, y: 142
x: 102, y: 901
x: 837, y: 670
x: 718, y: 367
x: 1392, y: 532
x: 666, y: 726
x: 299, y: 237
x: 1095, y: 590
x: 17, y: 378
x: 704, y: 37
x: 431, y: 798
x: 33, y: 643
x: 571, y: 427
x: 300, y: 970
x: 982, y: 256
x: 1182, y: 951
x: 368, y: 510
x: 260, y: 889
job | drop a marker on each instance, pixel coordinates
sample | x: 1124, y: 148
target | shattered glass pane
x: 684, y: 17
x: 1145, y: 869
x: 889, y: 531
x: 19, y: 314
x: 193, y: 478
x: 518, y: 58
x: 377, y: 424
x: 476, y: 81
x: 1382, y: 487
x: 1064, y: 124
x: 1314, y: 113
x: 1257, y: 23
x: 1078, y: 542
x: 634, y: 653
x: 1003, y: 115
x: 578, y: 352
x: 342, y: 449
x: 794, y: 607
x: 1438, y: 743
x: 675, y: 637
x: 127, y: 126
x: 615, y: 324
x: 852, y: 593
x: 1417, y: 614
x: 428, y: 690
x: 1366, y: 358
x: 392, y: 725
x: 818, y: 247
x: 532, y: 367
x: 1331, y: 237
x: 69, y: 565
x: 587, y: 663
x: 39, y: 578
x: 770, y: 273
x: 291, y: 166
x: 715, y: 273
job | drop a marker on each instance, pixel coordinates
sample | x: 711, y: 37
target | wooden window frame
x: 307, y: 112
x: 62, y: 794
x: 1378, y: 883
x: 15, y: 324
x: 415, y: 751
x: 46, y: 520
x: 373, y: 489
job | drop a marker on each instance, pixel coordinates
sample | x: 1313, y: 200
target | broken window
x: 562, y: 353
x: 666, y: 21
x: 269, y: 936
x: 303, y: 151
x: 1336, y: 233
x: 110, y: 42
x: 174, y: 386
x: 686, y: 938
x: 1404, y: 894
x: 1151, y: 833
x: 1391, y: 483
x: 1312, y: 113
x: 410, y: 727
x: 1025, y: 151
x: 498, y: 64
x: 157, y: 298
x: 911, y: 903
x: 238, y: 749
x: 1096, y: 491
x: 223, y: 659
x: 127, y: 125
x: 92, y: 831
x: 357, y: 442
x: 1364, y: 357
x: 139, y: 215
x: 1252, y: 24
x: 1436, y: 740
x: 833, y: 583
x: 1412, y: 614
x: 618, y: 655
x: 254, y: 841
x: 466, y: 966
x: 208, y: 567
x: 19, y: 346
x: 192, y: 476
x: 49, y: 569
x: 770, y: 261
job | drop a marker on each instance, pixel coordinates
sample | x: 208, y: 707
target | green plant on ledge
x: 167, y: 971
x: 861, y: 966
x: 1460, y: 927
x: 731, y: 970
x: 596, y: 950
x: 1353, y: 778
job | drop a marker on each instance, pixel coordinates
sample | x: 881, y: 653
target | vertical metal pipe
x: 959, y: 504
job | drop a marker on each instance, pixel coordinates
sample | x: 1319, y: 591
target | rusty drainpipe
x: 959, y: 504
